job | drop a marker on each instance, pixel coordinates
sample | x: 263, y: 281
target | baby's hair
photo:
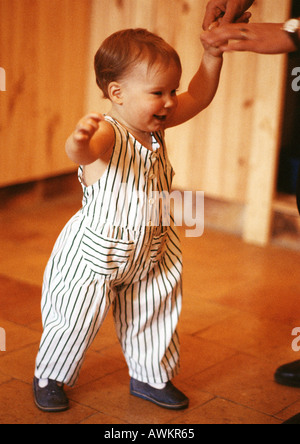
x: 123, y: 49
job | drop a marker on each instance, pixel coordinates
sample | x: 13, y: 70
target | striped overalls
x: 115, y: 251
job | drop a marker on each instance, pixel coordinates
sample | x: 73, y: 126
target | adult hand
x: 263, y: 38
x: 226, y: 11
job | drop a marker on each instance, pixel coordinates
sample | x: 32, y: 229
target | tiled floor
x: 241, y: 305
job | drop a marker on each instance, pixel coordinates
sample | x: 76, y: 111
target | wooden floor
x: 241, y: 305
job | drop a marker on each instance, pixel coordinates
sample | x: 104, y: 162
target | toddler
x: 116, y: 251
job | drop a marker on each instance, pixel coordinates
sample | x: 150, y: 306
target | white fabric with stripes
x: 116, y: 251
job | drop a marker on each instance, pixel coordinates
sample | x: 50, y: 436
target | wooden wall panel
x: 44, y: 45
x: 268, y: 96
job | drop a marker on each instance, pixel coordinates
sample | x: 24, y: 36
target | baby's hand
x: 87, y: 127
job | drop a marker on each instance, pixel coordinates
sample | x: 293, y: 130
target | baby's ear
x: 115, y: 93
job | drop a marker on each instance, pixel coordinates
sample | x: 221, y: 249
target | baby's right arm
x: 91, y: 140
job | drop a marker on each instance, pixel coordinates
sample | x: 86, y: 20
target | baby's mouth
x: 160, y: 118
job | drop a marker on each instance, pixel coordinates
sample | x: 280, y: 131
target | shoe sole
x: 159, y: 403
x: 50, y: 410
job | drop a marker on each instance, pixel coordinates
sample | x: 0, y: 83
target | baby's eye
x: 157, y: 93
x: 174, y: 92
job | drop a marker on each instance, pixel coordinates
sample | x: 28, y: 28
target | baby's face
x: 149, y: 96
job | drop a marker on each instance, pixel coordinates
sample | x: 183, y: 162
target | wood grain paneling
x: 44, y: 53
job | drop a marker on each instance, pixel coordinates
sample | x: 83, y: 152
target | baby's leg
x: 146, y: 316
x: 73, y: 311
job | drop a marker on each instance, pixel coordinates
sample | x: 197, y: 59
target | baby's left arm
x: 202, y: 87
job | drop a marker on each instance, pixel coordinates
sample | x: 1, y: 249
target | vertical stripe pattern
x: 116, y: 252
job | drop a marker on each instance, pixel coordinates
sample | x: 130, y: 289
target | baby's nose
x: 170, y: 101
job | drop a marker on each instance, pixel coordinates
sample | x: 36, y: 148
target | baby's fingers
x: 87, y: 126
x: 97, y: 117
x: 82, y: 134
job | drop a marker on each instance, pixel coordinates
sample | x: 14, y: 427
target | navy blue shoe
x: 51, y: 398
x: 168, y: 398
x: 289, y: 374
x: 294, y: 420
